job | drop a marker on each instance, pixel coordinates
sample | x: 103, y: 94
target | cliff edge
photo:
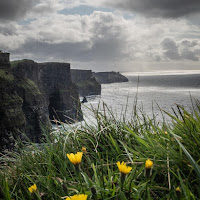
x: 85, y: 82
x: 109, y: 77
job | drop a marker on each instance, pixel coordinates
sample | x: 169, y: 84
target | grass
x: 174, y: 149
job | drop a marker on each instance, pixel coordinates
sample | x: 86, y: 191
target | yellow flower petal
x: 75, y: 158
x: 32, y: 188
x: 77, y: 197
x: 148, y: 164
x: 178, y: 189
x: 123, y: 168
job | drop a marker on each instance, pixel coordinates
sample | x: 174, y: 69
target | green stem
x: 122, y: 180
x: 146, y: 190
x: 79, y: 175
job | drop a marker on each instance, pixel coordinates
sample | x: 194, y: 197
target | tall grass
x: 174, y: 149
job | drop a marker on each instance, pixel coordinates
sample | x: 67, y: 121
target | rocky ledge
x: 109, y: 77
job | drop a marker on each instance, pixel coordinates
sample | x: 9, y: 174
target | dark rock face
x: 60, y: 96
x: 109, y: 77
x: 85, y: 82
x: 30, y: 94
x: 12, y: 119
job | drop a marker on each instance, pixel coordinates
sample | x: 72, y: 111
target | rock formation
x: 30, y: 94
x: 109, y: 77
x: 85, y: 82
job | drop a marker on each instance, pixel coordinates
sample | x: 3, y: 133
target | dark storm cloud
x: 159, y: 8
x: 14, y: 9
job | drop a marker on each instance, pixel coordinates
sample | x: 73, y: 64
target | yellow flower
x: 77, y: 197
x: 123, y: 168
x: 75, y: 158
x: 32, y: 188
x: 84, y: 150
x: 178, y: 189
x: 148, y: 164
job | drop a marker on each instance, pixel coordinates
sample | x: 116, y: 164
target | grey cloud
x: 42, y: 51
x: 14, y: 9
x: 185, y: 50
x: 187, y: 43
x: 8, y: 29
x: 170, y: 49
x: 98, y: 57
x: 159, y: 8
x: 101, y: 37
x: 105, y: 50
x: 190, y: 50
x: 105, y: 41
x: 190, y: 55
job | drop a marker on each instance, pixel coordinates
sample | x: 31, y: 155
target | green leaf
x: 137, y: 137
x: 190, y: 158
x: 122, y: 196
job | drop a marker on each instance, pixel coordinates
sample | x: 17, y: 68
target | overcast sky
x: 102, y: 35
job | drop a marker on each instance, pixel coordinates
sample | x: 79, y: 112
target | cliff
x: 12, y: 119
x: 60, y: 95
x: 30, y: 94
x: 85, y: 82
x: 109, y: 77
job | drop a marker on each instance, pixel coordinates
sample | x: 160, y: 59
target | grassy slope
x: 108, y: 142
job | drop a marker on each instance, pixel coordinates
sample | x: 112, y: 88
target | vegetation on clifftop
x: 162, y: 160
x: 16, y: 62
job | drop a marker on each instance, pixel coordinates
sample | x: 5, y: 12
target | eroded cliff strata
x: 54, y: 82
x: 30, y: 94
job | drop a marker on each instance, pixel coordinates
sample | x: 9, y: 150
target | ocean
x: 151, y: 89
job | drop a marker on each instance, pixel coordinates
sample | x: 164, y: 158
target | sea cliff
x: 109, y: 77
x: 32, y: 93
x: 54, y: 82
x: 85, y: 82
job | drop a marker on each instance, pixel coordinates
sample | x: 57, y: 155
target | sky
x: 104, y: 35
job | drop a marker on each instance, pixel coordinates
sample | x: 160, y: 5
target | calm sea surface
x: 163, y: 88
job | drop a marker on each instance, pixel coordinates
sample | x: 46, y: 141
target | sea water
x: 153, y: 91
